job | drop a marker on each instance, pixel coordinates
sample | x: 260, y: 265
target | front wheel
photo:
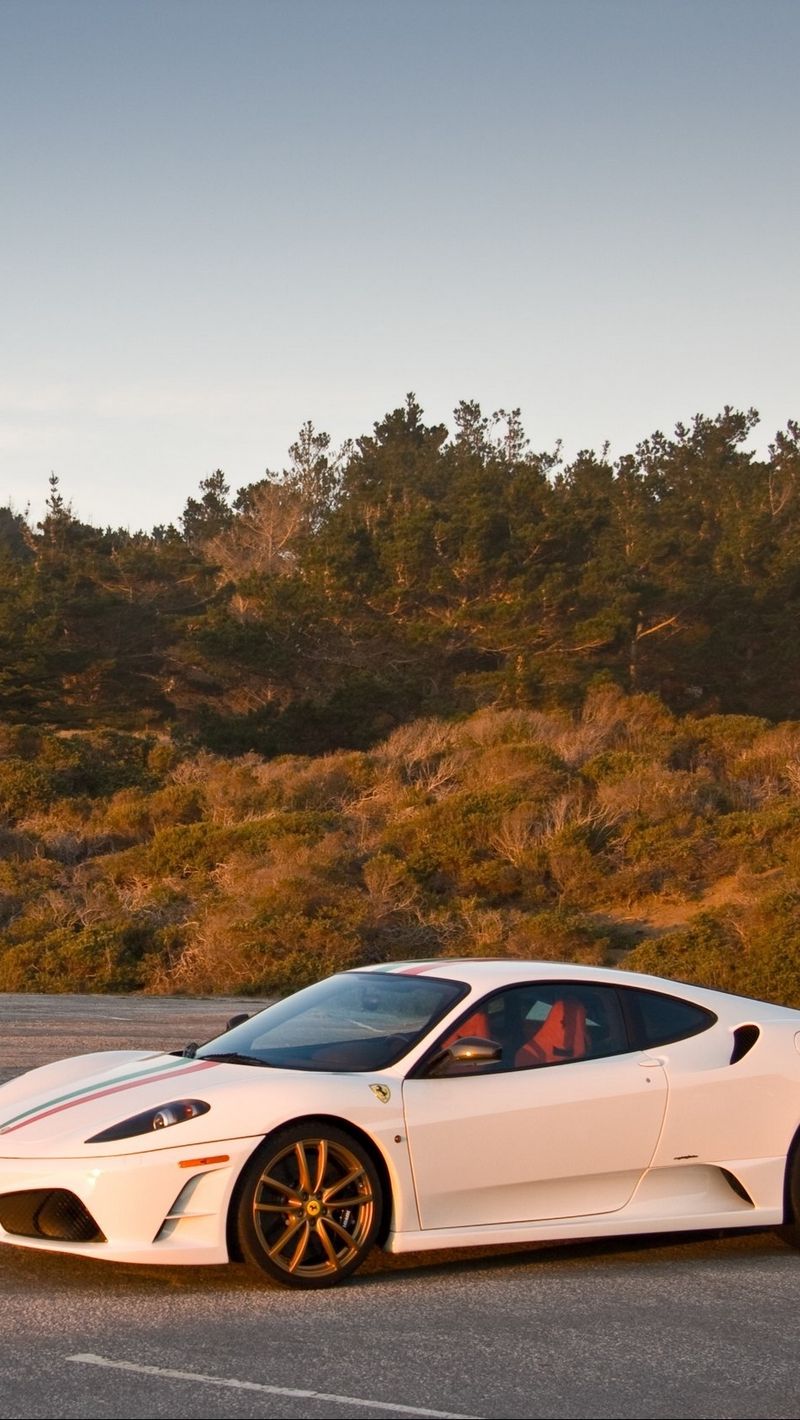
x: 310, y: 1206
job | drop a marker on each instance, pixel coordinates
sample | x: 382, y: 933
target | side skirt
x: 685, y: 1198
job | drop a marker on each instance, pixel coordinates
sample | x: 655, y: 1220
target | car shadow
x: 62, y: 1272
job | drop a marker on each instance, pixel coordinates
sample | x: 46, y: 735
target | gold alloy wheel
x: 313, y: 1209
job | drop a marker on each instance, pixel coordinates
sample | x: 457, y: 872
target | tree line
x: 416, y: 571
x: 430, y: 693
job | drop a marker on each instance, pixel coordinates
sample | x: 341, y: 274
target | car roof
x: 484, y: 974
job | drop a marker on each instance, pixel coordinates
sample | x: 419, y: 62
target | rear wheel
x: 790, y: 1232
x: 309, y: 1206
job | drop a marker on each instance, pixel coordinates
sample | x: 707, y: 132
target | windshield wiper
x: 232, y: 1058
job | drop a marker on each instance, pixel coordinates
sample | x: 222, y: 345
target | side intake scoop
x: 744, y: 1038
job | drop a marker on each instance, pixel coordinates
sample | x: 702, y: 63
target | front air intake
x: 52, y: 1213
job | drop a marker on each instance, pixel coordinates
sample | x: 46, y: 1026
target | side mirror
x: 470, y: 1050
x: 237, y: 1020
x: 475, y: 1049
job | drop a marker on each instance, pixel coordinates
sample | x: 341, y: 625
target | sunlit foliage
x: 431, y: 693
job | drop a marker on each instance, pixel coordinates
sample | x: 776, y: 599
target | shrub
x: 751, y: 951
x: 279, y: 946
x: 25, y: 787
x: 97, y: 763
x: 559, y: 934
x: 105, y: 957
x: 123, y: 865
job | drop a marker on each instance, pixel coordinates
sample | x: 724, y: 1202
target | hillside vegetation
x: 432, y: 693
x: 622, y: 833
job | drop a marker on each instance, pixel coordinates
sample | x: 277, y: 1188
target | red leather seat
x: 561, y: 1036
x: 476, y: 1024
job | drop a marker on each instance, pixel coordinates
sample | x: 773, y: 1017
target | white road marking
x: 163, y: 1373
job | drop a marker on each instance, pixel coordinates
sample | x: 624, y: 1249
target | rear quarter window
x: 656, y: 1019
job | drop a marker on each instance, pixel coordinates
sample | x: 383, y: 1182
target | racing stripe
x: 90, y: 1092
x: 387, y: 966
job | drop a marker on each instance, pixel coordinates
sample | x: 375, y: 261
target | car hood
x: 54, y: 1111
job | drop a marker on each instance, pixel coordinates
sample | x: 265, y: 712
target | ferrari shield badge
x: 381, y: 1092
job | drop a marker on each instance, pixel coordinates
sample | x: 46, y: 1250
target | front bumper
x: 163, y: 1206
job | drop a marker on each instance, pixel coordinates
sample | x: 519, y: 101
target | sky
x: 222, y: 218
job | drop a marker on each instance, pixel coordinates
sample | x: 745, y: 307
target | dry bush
x: 68, y: 833
x: 495, y: 727
x: 555, y: 936
x: 575, y: 830
x: 301, y: 782
x: 232, y: 790
x: 609, y: 720
x: 195, y: 769
x: 519, y: 832
x: 532, y: 768
x: 749, y: 793
x: 277, y: 776
x: 649, y: 726
x: 55, y: 907
x: 768, y: 767
x: 527, y: 826
x: 425, y: 755
x: 389, y: 888
x: 133, y: 816
x: 164, y: 903
x: 66, y: 816
x: 654, y: 792
x: 278, y: 942
x: 388, y: 800
x: 126, y: 817
x: 476, y: 932
x: 720, y: 740
x: 16, y: 843
x: 438, y: 777
x: 417, y: 742
x: 581, y: 743
x: 290, y: 859
x: 547, y: 936
x: 330, y: 782
x: 217, y: 958
x: 573, y: 867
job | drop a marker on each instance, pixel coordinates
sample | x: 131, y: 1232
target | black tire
x: 790, y: 1232
x: 309, y: 1206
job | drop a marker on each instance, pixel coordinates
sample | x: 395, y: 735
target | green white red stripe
x: 167, y: 1070
x: 407, y: 968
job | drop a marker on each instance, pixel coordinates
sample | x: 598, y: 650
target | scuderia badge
x: 382, y: 1093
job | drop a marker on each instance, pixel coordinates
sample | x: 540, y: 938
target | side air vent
x: 738, y: 1187
x: 744, y: 1038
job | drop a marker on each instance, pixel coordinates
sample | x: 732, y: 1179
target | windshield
x: 356, y: 1021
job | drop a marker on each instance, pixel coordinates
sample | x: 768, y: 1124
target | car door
x: 729, y: 1097
x: 564, y: 1138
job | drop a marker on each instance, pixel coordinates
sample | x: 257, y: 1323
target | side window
x: 660, y: 1020
x: 542, y: 1023
x: 571, y: 1022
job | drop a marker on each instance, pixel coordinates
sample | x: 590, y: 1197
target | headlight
x: 177, y: 1112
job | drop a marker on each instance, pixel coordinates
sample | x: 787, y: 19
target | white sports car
x: 415, y: 1105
